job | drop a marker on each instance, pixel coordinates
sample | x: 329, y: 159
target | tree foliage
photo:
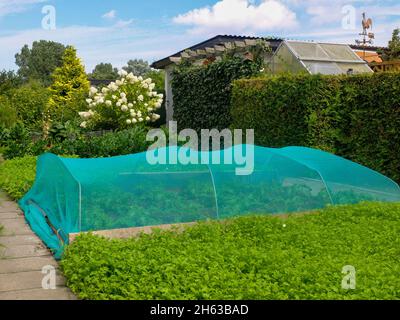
x: 138, y: 67
x: 104, y: 71
x: 39, y: 62
x: 9, y: 80
x: 70, y: 85
x: 392, y: 52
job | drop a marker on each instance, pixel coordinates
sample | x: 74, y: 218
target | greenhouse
x: 78, y: 195
x: 314, y: 58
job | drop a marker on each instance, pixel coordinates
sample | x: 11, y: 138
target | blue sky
x: 119, y: 30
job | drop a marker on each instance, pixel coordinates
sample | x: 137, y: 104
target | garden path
x: 22, y: 258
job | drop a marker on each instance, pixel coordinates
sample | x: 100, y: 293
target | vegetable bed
x: 253, y: 257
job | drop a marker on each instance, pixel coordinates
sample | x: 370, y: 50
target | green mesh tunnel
x: 77, y: 195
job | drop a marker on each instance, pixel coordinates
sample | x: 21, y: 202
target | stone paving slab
x: 22, y: 258
x: 25, y: 280
x: 14, y: 227
x: 26, y: 264
x: 10, y: 215
x: 24, y: 250
x: 17, y: 240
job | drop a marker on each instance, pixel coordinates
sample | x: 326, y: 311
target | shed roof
x: 221, y: 39
x: 217, y: 40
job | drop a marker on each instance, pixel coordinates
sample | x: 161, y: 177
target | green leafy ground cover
x: 254, y: 257
x: 17, y: 176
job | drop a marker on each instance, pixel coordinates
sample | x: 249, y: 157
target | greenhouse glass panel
x: 340, y: 52
x: 285, y: 61
x: 308, y: 50
x: 78, y: 195
x: 323, y: 67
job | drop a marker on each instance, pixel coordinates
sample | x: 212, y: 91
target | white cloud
x: 239, y: 16
x: 14, y: 6
x: 110, y: 15
x: 123, y: 23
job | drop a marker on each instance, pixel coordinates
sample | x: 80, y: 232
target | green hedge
x: 357, y: 117
x: 202, y: 93
x: 259, y: 257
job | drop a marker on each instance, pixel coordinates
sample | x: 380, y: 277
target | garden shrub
x: 30, y: 101
x: 202, y: 94
x: 9, y: 80
x: 356, y: 117
x: 16, y: 141
x: 17, y: 176
x: 8, y: 115
x: 110, y: 144
x: 255, y: 257
x: 122, y: 104
x: 69, y: 88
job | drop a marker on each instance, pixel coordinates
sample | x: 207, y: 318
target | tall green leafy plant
x: 202, y: 94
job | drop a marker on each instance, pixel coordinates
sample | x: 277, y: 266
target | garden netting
x: 76, y: 195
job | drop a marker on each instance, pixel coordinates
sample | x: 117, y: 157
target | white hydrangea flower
x: 93, y: 91
x: 123, y: 73
x: 89, y: 101
x: 147, y: 118
x: 108, y: 103
x: 124, y: 108
x: 140, y: 119
x: 130, y: 105
x: 128, y: 121
x: 140, y: 98
x: 104, y: 90
x: 118, y: 104
x: 158, y: 105
x: 134, y: 120
x: 84, y: 124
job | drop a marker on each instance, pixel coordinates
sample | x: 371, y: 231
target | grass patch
x: 17, y: 176
x: 258, y: 257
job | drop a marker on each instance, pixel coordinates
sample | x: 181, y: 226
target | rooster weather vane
x: 367, y: 37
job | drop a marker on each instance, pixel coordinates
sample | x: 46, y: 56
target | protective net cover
x: 78, y: 195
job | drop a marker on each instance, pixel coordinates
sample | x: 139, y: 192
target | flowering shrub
x: 127, y: 101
